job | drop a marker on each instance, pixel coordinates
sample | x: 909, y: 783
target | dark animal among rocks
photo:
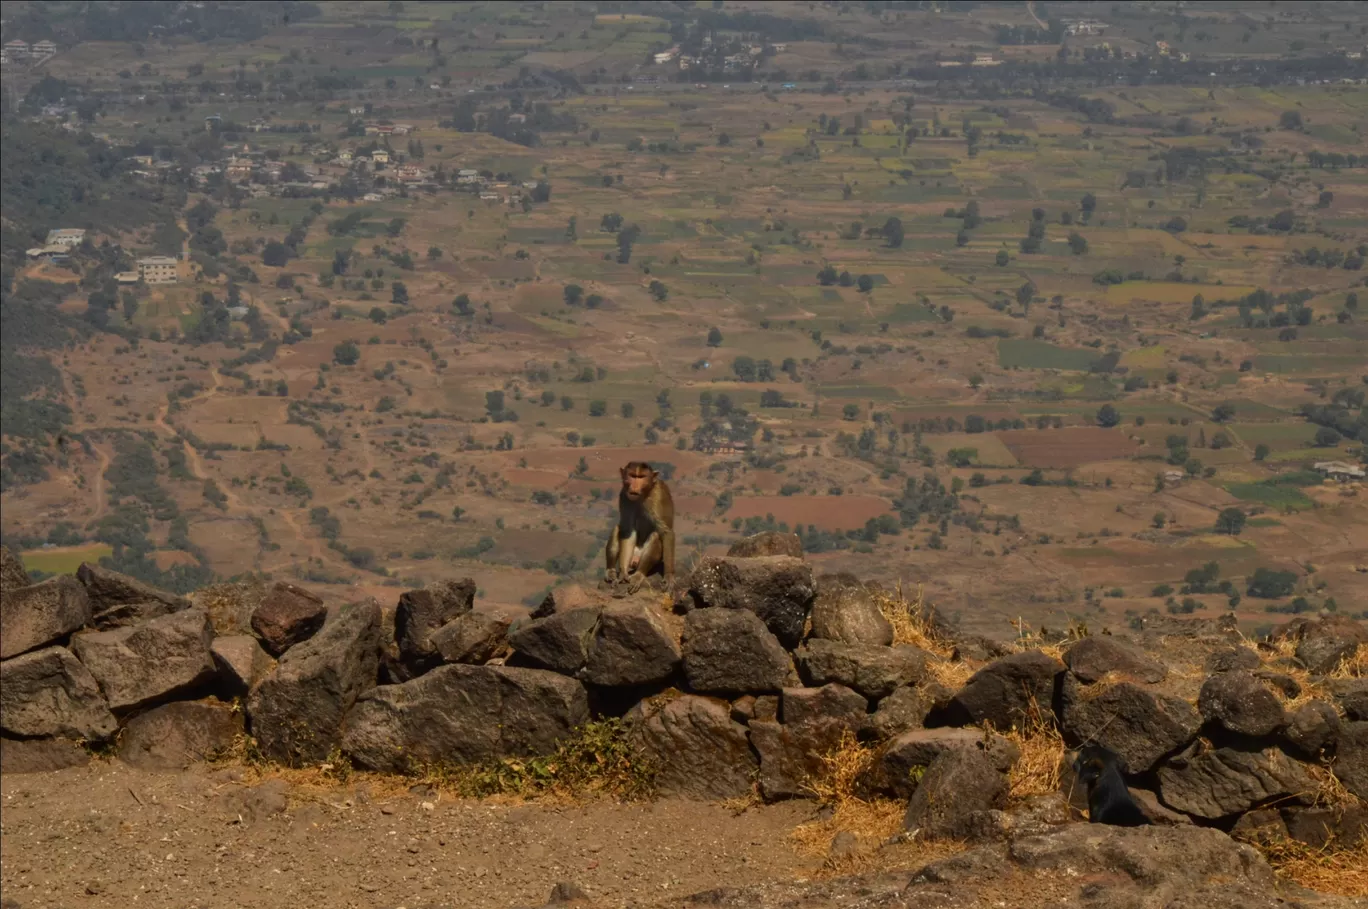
x: 1109, y: 801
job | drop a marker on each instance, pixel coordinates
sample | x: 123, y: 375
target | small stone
x: 287, y: 615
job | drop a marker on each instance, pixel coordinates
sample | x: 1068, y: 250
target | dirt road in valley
x: 108, y: 835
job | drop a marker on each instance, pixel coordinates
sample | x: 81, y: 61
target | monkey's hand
x: 611, y: 576
x: 634, y: 581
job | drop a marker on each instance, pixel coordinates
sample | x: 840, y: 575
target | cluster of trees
x: 828, y: 276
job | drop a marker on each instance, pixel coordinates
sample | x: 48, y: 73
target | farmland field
x: 1016, y: 353
x: 1066, y: 447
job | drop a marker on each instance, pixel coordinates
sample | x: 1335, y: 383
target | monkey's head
x: 638, y: 479
x: 1092, y: 761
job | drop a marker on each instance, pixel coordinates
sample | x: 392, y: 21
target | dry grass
x: 1354, y: 666
x: 1330, y: 792
x: 1334, y: 868
x: 912, y: 622
x: 872, y: 821
x: 1038, y: 770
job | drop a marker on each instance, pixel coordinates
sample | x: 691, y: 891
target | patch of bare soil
x: 110, y: 835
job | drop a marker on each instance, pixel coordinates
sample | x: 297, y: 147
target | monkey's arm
x: 667, y: 541
x: 612, y: 551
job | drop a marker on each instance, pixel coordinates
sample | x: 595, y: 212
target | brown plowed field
x: 1066, y: 447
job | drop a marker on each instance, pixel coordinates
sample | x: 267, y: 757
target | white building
x: 159, y: 269
x: 66, y: 236
x: 1340, y: 470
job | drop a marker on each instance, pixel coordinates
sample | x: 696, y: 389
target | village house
x: 403, y: 129
x: 1339, y: 470
x: 373, y: 197
x: 49, y: 253
x: 17, y: 50
x: 66, y: 237
x: 667, y: 56
x: 43, y: 49
x: 985, y: 60
x: 159, y: 269
x: 467, y: 176
x: 356, y: 110
x: 380, y: 156
x: 344, y: 156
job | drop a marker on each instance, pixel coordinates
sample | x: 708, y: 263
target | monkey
x: 1109, y: 801
x: 643, y: 537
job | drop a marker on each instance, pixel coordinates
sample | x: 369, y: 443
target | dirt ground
x: 110, y: 835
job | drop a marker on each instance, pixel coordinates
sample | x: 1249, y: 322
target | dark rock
x: 40, y: 755
x: 568, y: 597
x: 1312, y: 729
x: 843, y: 845
x: 875, y: 672
x: 1153, y: 809
x: 829, y: 704
x: 743, y: 708
x: 731, y: 650
x: 566, y: 893
x: 846, y: 611
x: 241, y: 662
x: 559, y: 642
x: 50, y: 693
x: 779, y: 589
x: 174, y: 736
x: 979, y: 649
x: 476, y: 637
x: 956, y: 784
x: 1323, y: 642
x: 1262, y: 825
x: 41, y: 614
x: 12, y: 573
x: 287, y: 615
x: 1139, y: 725
x: 1229, y: 659
x: 769, y: 543
x: 1225, y: 781
x: 151, y: 662
x: 1094, y: 658
x: 1032, y: 817
x: 1007, y: 692
x: 421, y: 612
x: 630, y: 646
x: 1352, y: 697
x: 917, y: 749
x: 766, y: 708
x: 1284, y: 684
x: 1240, y: 703
x: 815, y: 722
x: 1351, y: 758
x: 904, y: 709
x: 699, y: 751
x: 463, y: 714
x: 297, y: 711
x: 1344, y: 825
x: 117, y: 600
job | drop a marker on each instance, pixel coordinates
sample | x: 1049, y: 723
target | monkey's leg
x: 626, y: 546
x: 611, y: 574
x: 650, y: 558
x: 667, y: 540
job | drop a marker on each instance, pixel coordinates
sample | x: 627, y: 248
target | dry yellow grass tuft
x: 836, y: 787
x: 1354, y: 666
x: 1038, y: 770
x: 1334, y: 868
x: 912, y: 622
x: 1329, y: 791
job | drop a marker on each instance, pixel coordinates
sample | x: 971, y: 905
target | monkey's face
x: 637, y: 484
x: 1087, y: 770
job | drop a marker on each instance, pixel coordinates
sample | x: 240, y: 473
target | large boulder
x: 1344, y: 825
x: 288, y: 614
x: 476, y: 637
x: 39, y: 614
x: 779, y: 589
x: 241, y: 662
x: 815, y: 723
x: 1227, y: 781
x: 1098, y: 656
x: 174, y: 736
x: 1229, y: 659
x: 1351, y: 695
x: 630, y: 646
x: 50, y: 693
x: 698, y: 750
x: 155, y: 661
x: 559, y: 642
x: 1351, y: 758
x: 731, y: 651
x: 958, y: 783
x: 463, y: 714
x: 874, y: 672
x: 1140, y: 725
x: 117, y: 600
x: 768, y: 543
x: 567, y: 597
x: 1009, y: 692
x: 421, y: 612
x: 12, y: 573
x: 900, y: 762
x: 40, y: 755
x: 297, y: 712
x: 1312, y: 730
x: 845, y: 610
x: 1322, y: 643
x: 1241, y: 703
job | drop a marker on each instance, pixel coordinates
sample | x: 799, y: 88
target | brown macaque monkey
x: 643, y: 537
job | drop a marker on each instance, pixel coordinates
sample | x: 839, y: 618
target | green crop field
x: 1021, y: 353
